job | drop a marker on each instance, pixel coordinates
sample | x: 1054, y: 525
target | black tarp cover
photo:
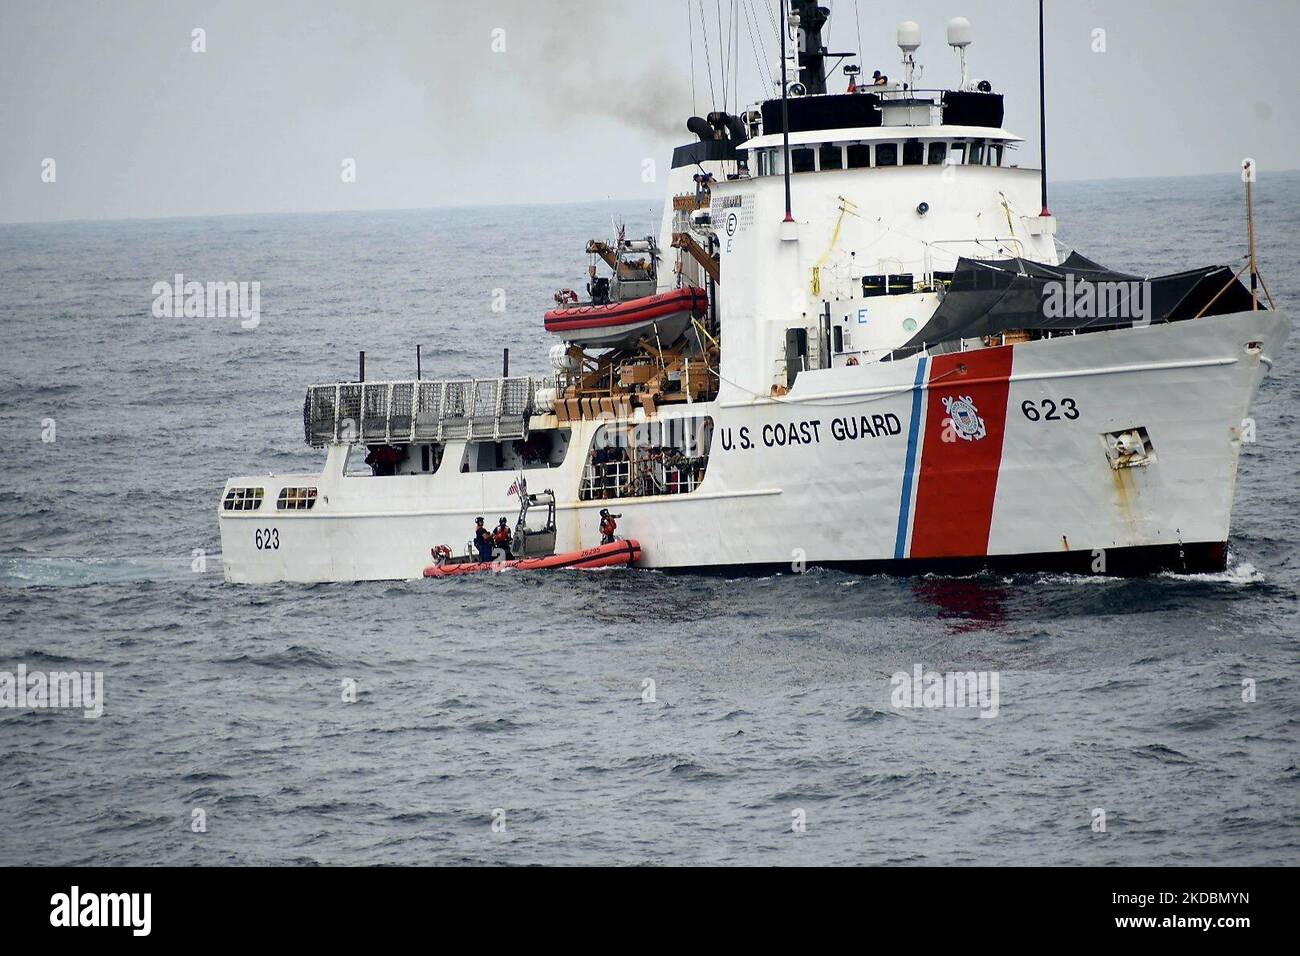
x: 829, y: 111
x: 966, y: 108
x: 989, y: 297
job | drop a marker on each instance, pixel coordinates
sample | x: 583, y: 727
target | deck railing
x: 421, y: 411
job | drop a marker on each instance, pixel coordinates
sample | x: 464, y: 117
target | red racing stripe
x: 961, y: 453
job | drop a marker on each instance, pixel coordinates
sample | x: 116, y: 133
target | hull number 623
x: 1049, y: 411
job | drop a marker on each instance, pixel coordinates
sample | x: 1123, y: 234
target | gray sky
x: 140, y: 126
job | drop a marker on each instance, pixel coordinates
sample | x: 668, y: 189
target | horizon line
x: 490, y: 205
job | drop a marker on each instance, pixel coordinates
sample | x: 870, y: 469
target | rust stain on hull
x: 1126, y: 500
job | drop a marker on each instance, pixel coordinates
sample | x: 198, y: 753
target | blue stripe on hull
x: 913, y: 430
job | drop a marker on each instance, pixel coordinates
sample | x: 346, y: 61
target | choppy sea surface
x: 518, y: 699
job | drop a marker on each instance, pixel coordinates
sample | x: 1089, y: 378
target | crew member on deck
x: 482, y: 540
x: 501, y: 538
x: 607, y: 526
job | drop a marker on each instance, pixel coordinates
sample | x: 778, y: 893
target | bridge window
x: 830, y: 156
x: 957, y: 155
x: 913, y: 152
x: 803, y: 160
x: 938, y: 153
x: 976, y: 155
x: 995, y: 155
x: 887, y: 154
x: 859, y: 155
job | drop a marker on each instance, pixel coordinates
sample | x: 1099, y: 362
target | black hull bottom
x: 1201, y: 558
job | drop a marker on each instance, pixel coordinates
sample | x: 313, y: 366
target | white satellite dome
x: 959, y: 35
x: 909, y: 36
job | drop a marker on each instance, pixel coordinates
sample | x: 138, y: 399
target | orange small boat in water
x: 535, y: 546
x: 602, y: 556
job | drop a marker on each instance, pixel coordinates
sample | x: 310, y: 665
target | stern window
x: 296, y: 499
x: 243, y: 499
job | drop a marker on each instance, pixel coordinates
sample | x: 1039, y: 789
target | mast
x: 1042, y: 105
x: 785, y: 113
x: 1248, y: 174
x: 812, y: 58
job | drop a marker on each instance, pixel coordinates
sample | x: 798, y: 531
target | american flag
x: 514, y: 489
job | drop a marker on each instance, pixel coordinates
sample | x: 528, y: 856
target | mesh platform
x: 398, y: 413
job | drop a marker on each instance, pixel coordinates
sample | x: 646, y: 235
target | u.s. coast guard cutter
x: 854, y: 343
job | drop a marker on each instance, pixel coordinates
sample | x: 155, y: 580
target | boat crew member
x: 383, y: 459
x: 501, y: 538
x: 482, y: 540
x: 599, y: 460
x: 607, y: 526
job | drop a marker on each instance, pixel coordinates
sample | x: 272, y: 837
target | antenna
x: 909, y: 40
x: 959, y: 38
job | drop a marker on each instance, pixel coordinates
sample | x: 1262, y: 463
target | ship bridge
x: 871, y: 147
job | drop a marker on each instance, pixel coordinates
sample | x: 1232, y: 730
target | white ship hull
x: 1022, y: 481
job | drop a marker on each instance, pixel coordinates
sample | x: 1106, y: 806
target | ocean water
x: 519, y: 698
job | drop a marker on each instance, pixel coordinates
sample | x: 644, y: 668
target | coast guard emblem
x: 965, y: 418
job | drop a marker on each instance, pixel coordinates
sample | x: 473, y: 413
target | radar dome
x: 909, y: 36
x: 959, y: 32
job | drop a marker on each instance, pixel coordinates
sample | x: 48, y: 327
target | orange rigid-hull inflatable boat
x: 618, y: 324
x: 603, y: 556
